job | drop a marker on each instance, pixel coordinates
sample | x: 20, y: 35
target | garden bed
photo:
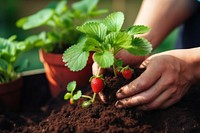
x: 39, y: 112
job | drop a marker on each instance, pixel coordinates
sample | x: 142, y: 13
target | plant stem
x: 114, y: 70
x: 88, y: 97
x: 99, y: 69
x: 114, y: 67
x: 93, y: 98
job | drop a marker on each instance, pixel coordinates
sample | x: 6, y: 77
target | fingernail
x: 119, y: 91
x: 119, y: 104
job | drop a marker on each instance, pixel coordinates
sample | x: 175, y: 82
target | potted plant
x: 105, y: 39
x: 62, y: 21
x: 10, y: 79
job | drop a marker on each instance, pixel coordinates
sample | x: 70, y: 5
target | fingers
x: 168, y: 103
x: 160, y: 95
x: 149, y: 95
x: 142, y: 98
x: 102, y: 97
x: 159, y: 86
x: 147, y: 100
x: 147, y: 79
x: 166, y: 99
x: 95, y: 69
x: 144, y: 64
x: 158, y: 102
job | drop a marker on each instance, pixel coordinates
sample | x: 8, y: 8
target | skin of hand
x: 163, y: 19
x: 161, y: 82
x: 151, y: 14
x: 167, y: 78
x: 129, y: 59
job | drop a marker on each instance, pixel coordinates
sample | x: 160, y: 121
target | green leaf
x: 61, y: 7
x: 116, y: 39
x: 104, y: 59
x: 85, y: 6
x: 67, y: 96
x: 24, y: 64
x: 35, y: 20
x: 86, y: 104
x: 32, y: 39
x: 140, y: 47
x: 94, y: 29
x: 77, y: 95
x: 12, y: 38
x: 3, y: 64
x: 98, y: 12
x: 21, y: 22
x: 75, y: 57
x: 8, y: 50
x: 138, y: 29
x: 118, y: 62
x: 71, y: 86
x: 114, y: 21
x: 91, y: 44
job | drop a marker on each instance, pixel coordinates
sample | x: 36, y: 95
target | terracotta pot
x: 60, y: 75
x: 10, y: 94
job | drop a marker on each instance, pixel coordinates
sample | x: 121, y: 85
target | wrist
x: 195, y: 63
x: 191, y: 59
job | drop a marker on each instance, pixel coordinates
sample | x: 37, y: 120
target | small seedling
x: 73, y: 97
x: 70, y: 94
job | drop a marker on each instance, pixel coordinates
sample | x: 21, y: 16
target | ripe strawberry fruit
x: 118, y: 72
x: 127, y: 73
x: 97, y: 84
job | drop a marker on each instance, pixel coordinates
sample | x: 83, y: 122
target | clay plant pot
x: 10, y: 94
x: 60, y: 75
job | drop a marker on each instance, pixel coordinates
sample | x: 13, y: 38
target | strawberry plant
x: 10, y: 50
x: 70, y: 94
x: 105, y: 38
x: 61, y: 19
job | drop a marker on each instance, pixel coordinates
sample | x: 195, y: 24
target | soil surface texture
x: 40, y: 113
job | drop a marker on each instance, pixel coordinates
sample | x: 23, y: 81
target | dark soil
x: 40, y: 113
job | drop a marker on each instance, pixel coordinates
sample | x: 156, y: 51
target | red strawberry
x: 97, y: 84
x: 127, y: 73
x: 118, y: 72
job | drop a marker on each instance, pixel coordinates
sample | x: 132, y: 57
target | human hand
x: 128, y: 59
x: 165, y: 81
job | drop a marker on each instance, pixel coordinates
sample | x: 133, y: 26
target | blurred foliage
x: 12, y: 10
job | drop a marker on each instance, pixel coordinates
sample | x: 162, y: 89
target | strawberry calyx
x: 94, y: 76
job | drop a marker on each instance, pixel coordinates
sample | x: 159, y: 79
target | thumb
x: 145, y: 63
x: 95, y: 69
